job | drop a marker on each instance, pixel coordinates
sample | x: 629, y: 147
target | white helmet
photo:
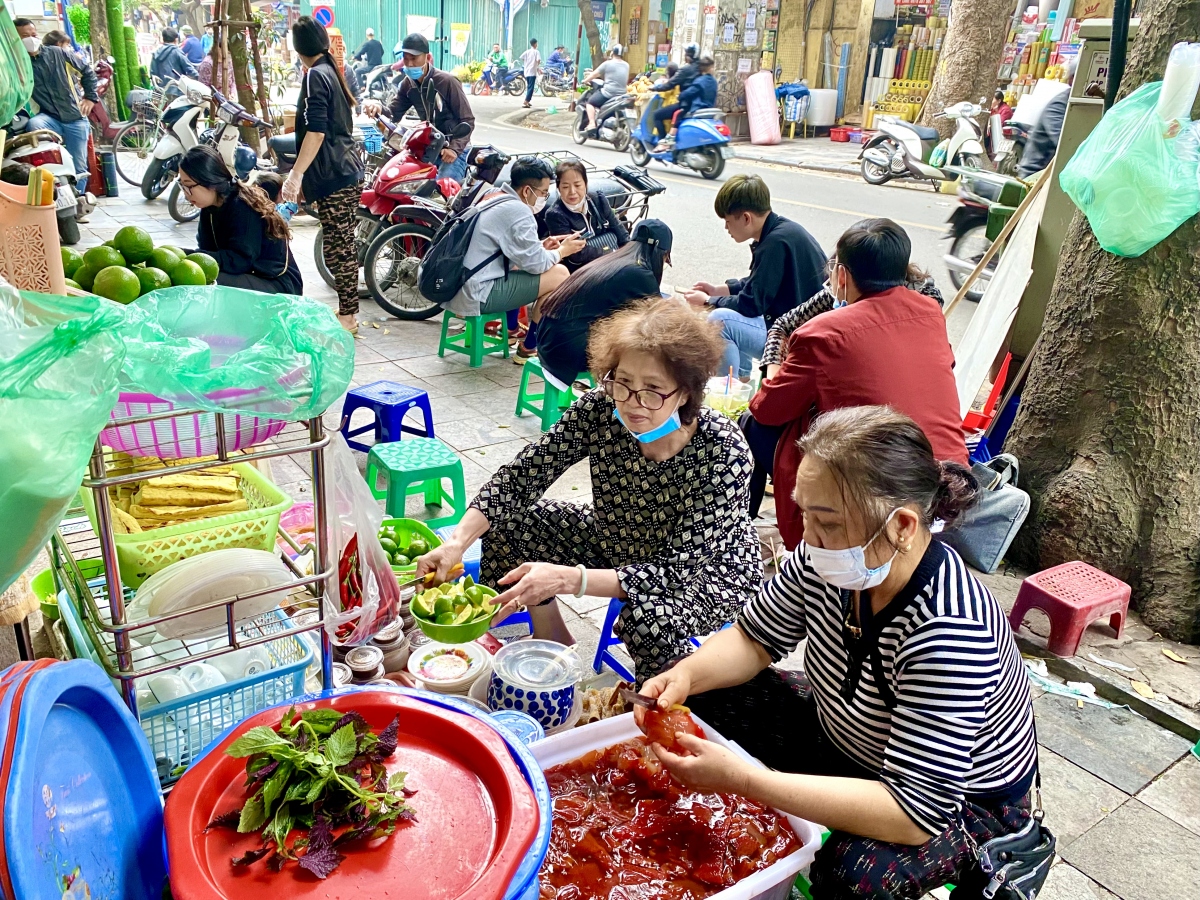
x: 616, y: 50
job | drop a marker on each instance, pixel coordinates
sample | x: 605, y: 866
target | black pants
x: 530, y: 81
x: 763, y: 439
x: 774, y: 718
x: 662, y: 119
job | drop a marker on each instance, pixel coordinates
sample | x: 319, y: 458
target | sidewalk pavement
x: 1121, y: 789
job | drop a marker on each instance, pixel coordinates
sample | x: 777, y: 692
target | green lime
x: 399, y: 559
x: 207, y: 264
x: 152, y: 279
x: 134, y: 243
x: 464, y: 614
x: 108, y: 244
x: 173, y: 249
x: 388, y: 545
x: 418, y: 546
x: 420, y: 606
x: 117, y: 283
x: 85, y: 276
x: 73, y: 284
x: 187, y: 272
x: 442, y: 604
x: 71, y: 259
x: 445, y: 619
x: 102, y: 257
x: 163, y: 258
x: 468, y: 583
x: 485, y: 612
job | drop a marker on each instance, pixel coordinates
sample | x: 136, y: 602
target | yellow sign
x: 460, y: 35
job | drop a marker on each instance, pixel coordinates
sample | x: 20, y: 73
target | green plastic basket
x: 406, y: 529
x: 141, y: 555
x: 457, y: 634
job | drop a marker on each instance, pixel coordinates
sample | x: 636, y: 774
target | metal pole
x: 1117, y: 50
x: 578, y: 52
x: 442, y: 31
x: 316, y: 429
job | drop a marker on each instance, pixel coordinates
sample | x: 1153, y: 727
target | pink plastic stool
x: 1073, y: 595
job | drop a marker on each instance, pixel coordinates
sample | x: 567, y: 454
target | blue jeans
x: 530, y: 81
x: 75, y: 138
x: 744, y: 340
x: 456, y: 170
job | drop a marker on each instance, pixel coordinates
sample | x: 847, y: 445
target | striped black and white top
x: 962, y: 720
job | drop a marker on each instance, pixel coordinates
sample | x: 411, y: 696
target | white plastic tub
x: 772, y: 883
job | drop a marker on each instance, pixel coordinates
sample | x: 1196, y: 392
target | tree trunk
x: 102, y: 47
x: 1108, y: 431
x: 970, y: 57
x: 593, y: 34
x: 239, y: 11
x: 193, y: 12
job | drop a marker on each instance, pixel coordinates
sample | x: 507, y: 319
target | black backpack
x: 442, y: 273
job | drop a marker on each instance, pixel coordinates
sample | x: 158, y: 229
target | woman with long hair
x: 239, y: 226
x: 328, y: 169
x: 596, y: 291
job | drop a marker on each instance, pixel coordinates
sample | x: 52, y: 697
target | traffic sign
x: 323, y: 15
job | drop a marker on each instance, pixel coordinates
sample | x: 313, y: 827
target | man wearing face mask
x: 882, y: 344
x: 439, y: 99
x: 59, y: 110
x: 509, y: 266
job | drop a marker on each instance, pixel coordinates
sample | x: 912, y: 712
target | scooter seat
x: 283, y: 144
x: 710, y: 112
x: 925, y: 134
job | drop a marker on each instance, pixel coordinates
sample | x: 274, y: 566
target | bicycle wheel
x: 132, y: 148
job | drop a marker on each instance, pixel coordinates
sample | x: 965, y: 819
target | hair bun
x: 957, y: 492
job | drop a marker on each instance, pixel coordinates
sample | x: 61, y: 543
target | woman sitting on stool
x: 239, y: 227
x: 668, y: 529
x: 586, y: 213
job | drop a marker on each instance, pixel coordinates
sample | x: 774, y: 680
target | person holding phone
x: 588, y: 213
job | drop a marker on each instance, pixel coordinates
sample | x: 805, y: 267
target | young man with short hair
x: 25, y: 28
x: 168, y: 61
x: 787, y: 266
x: 531, y: 60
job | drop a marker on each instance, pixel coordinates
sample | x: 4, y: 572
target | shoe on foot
x: 350, y: 323
x: 522, y: 355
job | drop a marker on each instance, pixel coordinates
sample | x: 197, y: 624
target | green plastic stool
x: 414, y: 466
x: 550, y: 403
x: 474, y: 341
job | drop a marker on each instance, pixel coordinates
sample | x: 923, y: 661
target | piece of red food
x: 660, y: 727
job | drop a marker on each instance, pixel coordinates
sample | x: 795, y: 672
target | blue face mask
x: 414, y: 72
x: 648, y: 437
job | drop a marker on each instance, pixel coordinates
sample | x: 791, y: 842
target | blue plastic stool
x: 608, y: 638
x: 390, y: 402
x: 470, y: 562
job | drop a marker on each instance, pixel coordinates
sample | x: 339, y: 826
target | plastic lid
x: 524, y: 726
x: 541, y: 665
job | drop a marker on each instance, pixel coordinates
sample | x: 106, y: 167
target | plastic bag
x: 363, y: 595
x: 224, y: 349
x: 16, y: 71
x: 1135, y: 177
x: 60, y: 358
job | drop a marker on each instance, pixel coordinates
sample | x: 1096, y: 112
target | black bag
x: 442, y: 273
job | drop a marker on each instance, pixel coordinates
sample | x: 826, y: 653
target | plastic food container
x: 366, y: 663
x: 537, y: 678
x: 772, y: 883
x: 728, y: 396
x: 449, y: 668
x: 393, y: 643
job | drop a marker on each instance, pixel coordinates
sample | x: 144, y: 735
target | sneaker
x: 522, y: 355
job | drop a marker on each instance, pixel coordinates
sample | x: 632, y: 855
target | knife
x: 455, y: 571
x: 637, y: 699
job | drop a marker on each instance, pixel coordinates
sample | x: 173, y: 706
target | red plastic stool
x: 1073, y: 595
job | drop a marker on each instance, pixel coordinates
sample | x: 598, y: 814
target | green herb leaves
x: 321, y: 772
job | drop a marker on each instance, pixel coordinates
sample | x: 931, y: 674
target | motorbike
x: 967, y: 228
x: 555, y: 80
x: 1016, y: 135
x: 701, y: 144
x: 903, y: 150
x: 514, y: 82
x: 26, y: 149
x: 99, y: 114
x: 614, y: 122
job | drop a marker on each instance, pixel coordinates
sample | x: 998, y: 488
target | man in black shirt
x: 370, y: 54
x: 58, y: 108
x: 439, y: 99
x: 787, y: 266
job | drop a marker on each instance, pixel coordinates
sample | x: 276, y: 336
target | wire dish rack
x: 128, y: 651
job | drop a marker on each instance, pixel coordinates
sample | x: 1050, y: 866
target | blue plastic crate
x: 177, y: 731
x: 372, y: 139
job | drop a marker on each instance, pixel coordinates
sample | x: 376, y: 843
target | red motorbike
x: 99, y: 114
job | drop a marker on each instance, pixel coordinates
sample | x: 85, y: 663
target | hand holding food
x: 706, y: 767
x: 672, y: 687
x: 661, y: 726
x: 454, y: 604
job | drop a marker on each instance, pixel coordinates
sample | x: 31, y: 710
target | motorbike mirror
x: 461, y: 130
x: 111, y: 59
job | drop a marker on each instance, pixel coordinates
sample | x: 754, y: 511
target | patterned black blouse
x: 678, y: 531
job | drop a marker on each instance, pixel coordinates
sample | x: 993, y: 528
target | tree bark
x: 239, y: 11
x: 1108, y: 431
x: 970, y: 57
x: 193, y: 12
x: 102, y: 47
x: 593, y: 34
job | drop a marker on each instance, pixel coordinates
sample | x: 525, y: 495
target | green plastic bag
x: 223, y: 349
x: 60, y: 358
x: 1135, y: 176
x: 16, y: 71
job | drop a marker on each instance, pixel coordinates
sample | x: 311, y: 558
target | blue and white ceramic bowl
x: 537, y: 678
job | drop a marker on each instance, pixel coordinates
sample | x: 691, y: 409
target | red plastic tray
x: 476, y: 817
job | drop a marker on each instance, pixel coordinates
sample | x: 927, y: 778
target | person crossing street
x: 531, y: 60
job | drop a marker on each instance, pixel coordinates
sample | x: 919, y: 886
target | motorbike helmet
x: 244, y: 161
x: 691, y: 52
x: 616, y: 50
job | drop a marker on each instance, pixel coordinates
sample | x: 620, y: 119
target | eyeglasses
x: 188, y: 188
x: 646, y: 399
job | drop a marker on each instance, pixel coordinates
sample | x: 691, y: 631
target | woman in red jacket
x: 882, y: 345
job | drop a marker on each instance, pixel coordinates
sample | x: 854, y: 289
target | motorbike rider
x: 559, y: 59
x: 614, y: 72
x: 439, y: 98
x: 499, y: 71
x: 192, y: 48
x: 370, y: 54
x: 700, y: 94
x: 681, y: 79
x: 60, y: 110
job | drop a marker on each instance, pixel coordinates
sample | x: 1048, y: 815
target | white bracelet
x: 582, y: 581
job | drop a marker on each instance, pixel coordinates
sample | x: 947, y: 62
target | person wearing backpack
x: 490, y: 256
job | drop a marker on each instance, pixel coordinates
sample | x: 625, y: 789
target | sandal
x: 350, y: 322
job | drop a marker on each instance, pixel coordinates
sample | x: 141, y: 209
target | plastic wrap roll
x: 823, y: 108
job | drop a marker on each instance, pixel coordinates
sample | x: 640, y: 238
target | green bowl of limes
x: 405, y: 541
x: 455, y: 613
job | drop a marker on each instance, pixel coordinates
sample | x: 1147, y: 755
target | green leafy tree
x: 81, y: 23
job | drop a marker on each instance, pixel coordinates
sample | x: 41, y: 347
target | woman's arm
x: 782, y: 328
x: 308, y: 152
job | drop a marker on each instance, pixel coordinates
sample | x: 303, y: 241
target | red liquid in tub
x: 625, y: 830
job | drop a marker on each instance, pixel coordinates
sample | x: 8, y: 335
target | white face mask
x: 847, y: 569
x: 838, y: 302
x: 33, y: 45
x: 577, y: 207
x: 538, y: 204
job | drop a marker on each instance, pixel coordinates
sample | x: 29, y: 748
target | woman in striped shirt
x: 918, y: 724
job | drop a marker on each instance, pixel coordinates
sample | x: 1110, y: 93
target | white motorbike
x: 903, y: 150
x: 46, y: 149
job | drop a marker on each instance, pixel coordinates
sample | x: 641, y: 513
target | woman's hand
x: 448, y: 155
x: 534, y: 582
x: 713, y: 290
x: 291, y: 187
x: 695, y: 298
x: 709, y: 768
x: 570, y: 246
x: 671, y: 687
x: 440, y: 560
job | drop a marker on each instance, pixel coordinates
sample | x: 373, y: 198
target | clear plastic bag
x: 60, y: 358
x: 365, y: 595
x: 1135, y: 177
x: 224, y: 349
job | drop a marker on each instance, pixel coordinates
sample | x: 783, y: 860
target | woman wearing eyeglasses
x: 668, y: 530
